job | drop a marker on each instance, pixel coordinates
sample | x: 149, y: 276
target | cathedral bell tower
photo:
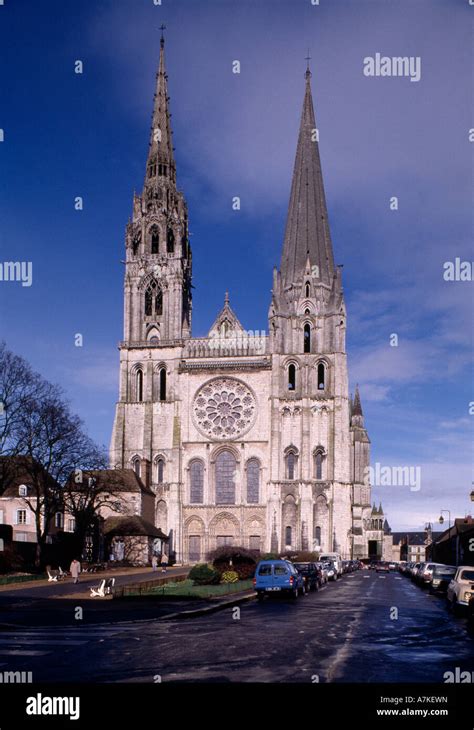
x: 157, y: 304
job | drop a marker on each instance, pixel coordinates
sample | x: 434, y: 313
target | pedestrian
x: 164, y: 562
x: 75, y: 569
x: 154, y: 562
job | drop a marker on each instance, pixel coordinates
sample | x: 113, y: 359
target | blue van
x: 277, y: 576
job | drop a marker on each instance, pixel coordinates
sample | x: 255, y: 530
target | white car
x: 461, y: 587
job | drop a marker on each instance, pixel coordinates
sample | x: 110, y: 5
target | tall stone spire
x: 307, y: 229
x: 160, y: 151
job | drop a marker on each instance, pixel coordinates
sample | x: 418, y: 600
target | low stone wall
x: 144, y: 586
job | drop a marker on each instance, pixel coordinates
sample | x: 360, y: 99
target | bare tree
x: 43, y: 442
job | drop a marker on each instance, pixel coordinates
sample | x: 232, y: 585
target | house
x: 21, y: 478
x: 455, y: 546
x: 133, y: 539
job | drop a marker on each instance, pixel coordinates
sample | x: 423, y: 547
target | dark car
x: 441, y: 577
x: 312, y: 575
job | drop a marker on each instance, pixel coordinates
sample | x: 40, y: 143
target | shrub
x: 236, y: 559
x: 203, y: 575
x: 245, y: 571
x: 230, y: 576
x: 302, y: 556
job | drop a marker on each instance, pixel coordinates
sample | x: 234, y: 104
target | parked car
x: 441, y: 577
x: 461, y: 587
x: 334, y: 558
x: 425, y: 574
x: 324, y: 573
x: 311, y: 575
x: 413, y: 572
x: 392, y: 566
x: 330, y: 570
x: 277, y: 576
x: 382, y: 567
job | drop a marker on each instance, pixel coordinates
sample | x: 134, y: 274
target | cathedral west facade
x: 245, y: 438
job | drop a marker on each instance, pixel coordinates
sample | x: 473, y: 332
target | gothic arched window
x: 225, y: 477
x: 159, y: 301
x: 139, y: 385
x: 149, y: 301
x: 253, y: 481
x: 321, y: 376
x: 307, y: 337
x: 290, y: 465
x: 288, y: 535
x: 160, y: 471
x: 196, y: 477
x: 155, y: 239
x: 170, y: 241
x: 317, y: 535
x: 163, y: 384
x: 291, y: 376
x: 318, y: 465
x: 307, y: 289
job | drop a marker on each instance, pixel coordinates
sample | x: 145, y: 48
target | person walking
x: 164, y: 562
x: 154, y: 562
x: 75, y: 569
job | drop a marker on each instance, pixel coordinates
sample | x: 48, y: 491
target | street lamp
x: 441, y: 518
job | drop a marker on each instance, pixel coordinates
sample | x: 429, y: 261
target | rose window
x: 224, y: 408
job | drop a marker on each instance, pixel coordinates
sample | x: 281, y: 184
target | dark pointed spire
x: 160, y: 150
x: 356, y: 405
x: 307, y: 228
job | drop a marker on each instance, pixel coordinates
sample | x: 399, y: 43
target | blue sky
x: 235, y: 134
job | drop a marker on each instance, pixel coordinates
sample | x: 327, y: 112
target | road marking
x: 398, y: 578
x: 22, y: 652
x: 366, y: 576
x: 382, y: 577
x: 59, y: 642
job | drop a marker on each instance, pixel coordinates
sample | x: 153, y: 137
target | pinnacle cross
x: 308, y: 72
x: 162, y: 39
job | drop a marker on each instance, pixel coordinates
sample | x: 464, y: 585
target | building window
x: 163, y: 384
x: 321, y: 376
x: 291, y: 376
x: 222, y: 540
x: 155, y: 239
x: 290, y: 465
x: 1, y: 517
x: 196, y: 472
x: 317, y: 535
x: 136, y: 466
x: 318, y: 465
x: 160, y: 471
x: 59, y: 520
x: 194, y: 548
x: 139, y: 385
x: 253, y: 481
x: 288, y: 535
x: 23, y: 490
x: 225, y: 478
x: 154, y: 294
x: 254, y: 542
x: 21, y: 517
x: 71, y: 524
x: 170, y: 241
x: 21, y: 537
x: 307, y: 337
x: 307, y: 289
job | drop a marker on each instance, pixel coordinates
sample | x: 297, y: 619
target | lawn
x: 186, y: 588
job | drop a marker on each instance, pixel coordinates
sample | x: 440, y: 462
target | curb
x: 209, y: 609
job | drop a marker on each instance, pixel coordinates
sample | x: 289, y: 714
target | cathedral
x: 245, y: 438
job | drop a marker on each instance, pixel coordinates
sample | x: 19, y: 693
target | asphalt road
x: 347, y: 632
